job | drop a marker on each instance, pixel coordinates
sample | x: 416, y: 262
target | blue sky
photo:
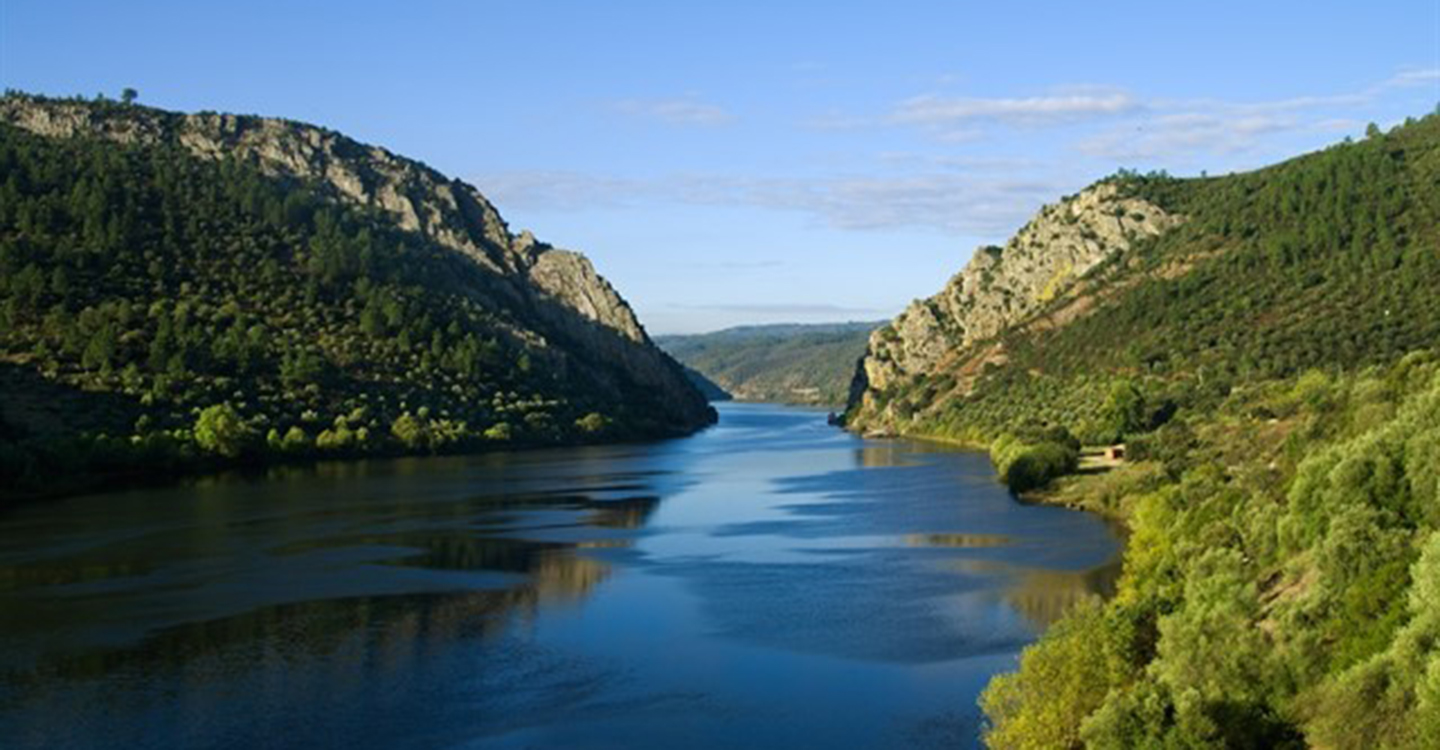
x: 744, y: 162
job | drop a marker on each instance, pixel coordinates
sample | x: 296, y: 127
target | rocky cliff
x: 587, y: 325
x: 1041, y: 268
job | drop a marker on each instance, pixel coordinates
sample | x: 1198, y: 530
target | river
x: 770, y: 582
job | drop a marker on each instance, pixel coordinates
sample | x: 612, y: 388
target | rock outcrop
x: 587, y: 324
x: 1000, y: 287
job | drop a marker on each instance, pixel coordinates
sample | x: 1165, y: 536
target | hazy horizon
x: 752, y: 165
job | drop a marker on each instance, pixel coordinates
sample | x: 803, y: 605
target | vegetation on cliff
x: 1270, y: 362
x: 1325, y: 261
x: 158, y: 308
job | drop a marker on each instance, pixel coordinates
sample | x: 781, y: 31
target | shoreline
x: 184, y: 469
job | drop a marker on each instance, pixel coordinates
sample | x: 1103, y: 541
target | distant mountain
x: 1267, y: 346
x: 234, y: 286
x: 786, y: 363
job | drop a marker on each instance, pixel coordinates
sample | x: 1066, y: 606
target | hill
x: 179, y: 289
x: 1265, y: 344
x: 706, y: 386
x: 785, y: 363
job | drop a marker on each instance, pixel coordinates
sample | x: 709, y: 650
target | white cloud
x: 835, y: 120
x: 1413, y: 77
x: 953, y: 202
x: 950, y: 161
x: 559, y: 190
x: 1181, y: 128
x: 939, y: 111
x: 676, y: 111
x: 985, y: 195
x: 1135, y: 127
x: 957, y: 119
x: 1340, y: 125
x: 975, y: 202
x: 1223, y: 132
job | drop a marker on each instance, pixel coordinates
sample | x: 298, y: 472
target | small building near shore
x: 1115, y: 452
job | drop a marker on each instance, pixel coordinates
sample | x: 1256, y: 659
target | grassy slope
x: 785, y: 363
x: 1282, y: 582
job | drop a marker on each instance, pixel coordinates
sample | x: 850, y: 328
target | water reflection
x: 1044, y: 596
x: 961, y: 541
x: 761, y: 584
x: 229, y: 554
x: 391, y: 624
x: 882, y: 454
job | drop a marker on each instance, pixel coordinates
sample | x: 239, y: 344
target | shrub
x: 412, y: 432
x: 1125, y: 412
x: 1061, y: 680
x: 220, y: 429
x: 1036, y: 467
x: 1025, y: 466
x: 592, y: 423
x: 1172, y: 445
x: 295, y: 441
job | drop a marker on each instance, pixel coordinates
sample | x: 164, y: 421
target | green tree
x: 100, y: 351
x: 412, y: 432
x: 220, y: 429
x: 302, y: 367
x: 592, y: 423
x: 129, y: 95
x: 1124, y: 411
x: 296, y: 441
x: 1062, y: 679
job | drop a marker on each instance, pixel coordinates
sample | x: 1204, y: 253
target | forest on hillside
x: 161, y: 310
x: 787, y: 363
x: 1326, y: 261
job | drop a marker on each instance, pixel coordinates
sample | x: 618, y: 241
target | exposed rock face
x: 998, y: 288
x: 589, y: 325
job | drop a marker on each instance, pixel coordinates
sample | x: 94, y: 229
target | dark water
x: 771, y: 582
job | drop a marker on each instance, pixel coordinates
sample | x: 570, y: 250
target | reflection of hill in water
x: 626, y: 513
x: 959, y: 541
x: 879, y: 454
x: 392, y: 629
x: 1041, y: 595
x: 486, y: 540
x: 564, y: 577
x: 475, y: 547
x: 884, y: 453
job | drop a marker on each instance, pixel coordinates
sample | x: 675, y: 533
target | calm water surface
x: 771, y: 582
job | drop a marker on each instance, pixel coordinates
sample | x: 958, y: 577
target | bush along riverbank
x: 221, y: 438
x: 1281, y: 582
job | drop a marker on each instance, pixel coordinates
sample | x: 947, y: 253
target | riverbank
x: 1082, y: 488
x: 51, y: 469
